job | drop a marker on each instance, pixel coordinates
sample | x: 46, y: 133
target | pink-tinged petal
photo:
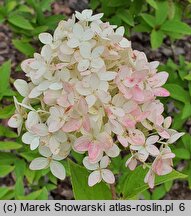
x: 40, y: 129
x: 106, y: 140
x: 128, y: 121
x: 161, y: 92
x: 107, y: 176
x: 94, y: 178
x: 153, y: 150
x: 157, y: 166
x: 167, y: 122
x: 164, y: 134
x: 86, y: 123
x: 152, y: 140
x: 175, y: 137
x: 90, y: 166
x: 168, y: 155
x: 63, y: 101
x: 122, y: 140
x: 54, y: 126
x: 131, y: 163
x: 81, y: 144
x: 82, y: 106
x: 72, y: 125
x: 150, y: 178
x: 113, y: 151
x: 104, y: 162
x: 95, y: 151
x: 50, y: 97
x: 158, y: 79
x: 116, y: 127
x: 137, y: 137
x: 117, y: 111
x: 138, y: 94
x: 130, y: 106
x: 142, y: 155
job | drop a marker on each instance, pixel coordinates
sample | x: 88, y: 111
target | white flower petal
x: 107, y: 176
x: 83, y: 65
x: 58, y: 169
x: 175, y: 137
x: 39, y: 163
x: 15, y: 121
x: 152, y: 140
x: 73, y: 43
x: 22, y: 87
x: 107, y: 76
x: 45, y: 151
x: 94, y: 178
x: 45, y: 38
x: 124, y: 43
x: 91, y: 99
x: 27, y: 138
x: 35, y: 143
x: 104, y: 162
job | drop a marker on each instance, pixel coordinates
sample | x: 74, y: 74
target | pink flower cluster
x: 89, y: 91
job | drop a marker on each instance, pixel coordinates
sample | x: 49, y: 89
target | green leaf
x: 29, y: 155
x: 188, y: 77
x: 20, y: 167
x: 161, y: 12
x: 24, y: 47
x: 3, y: 191
x: 10, y: 6
x: 20, y: 22
x: 19, y: 188
x: 152, y: 3
x: 50, y: 187
x: 158, y: 193
x: 186, y: 111
x: 168, y: 185
x: 9, y: 195
x: 176, y: 27
x: 5, y: 71
x: 7, y: 158
x: 116, y: 3
x: 7, y: 112
x: 182, y: 153
x: 79, y: 178
x: 94, y: 4
x: 156, y: 38
x: 5, y: 170
x: 46, y: 5
x: 9, y: 145
x: 186, y: 139
x: 126, y: 17
x: 7, y: 132
x: 178, y: 93
x: 134, y: 183
x: 149, y: 19
x: 143, y: 27
x: 30, y: 175
x: 171, y: 9
x: 44, y: 194
x: 32, y: 196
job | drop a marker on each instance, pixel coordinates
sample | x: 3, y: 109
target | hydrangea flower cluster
x: 89, y: 91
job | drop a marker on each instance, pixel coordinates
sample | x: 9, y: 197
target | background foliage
x: 163, y: 22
